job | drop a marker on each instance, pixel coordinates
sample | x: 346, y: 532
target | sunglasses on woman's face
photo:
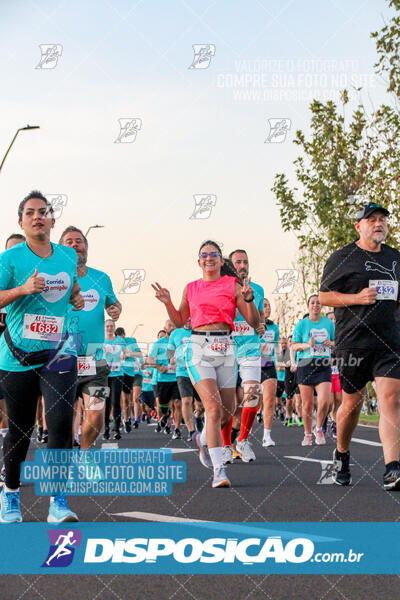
x: 209, y: 254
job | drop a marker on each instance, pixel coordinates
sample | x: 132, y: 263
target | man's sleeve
x: 171, y: 343
x: 110, y: 298
x: 153, y: 351
x: 332, y: 276
x: 5, y: 272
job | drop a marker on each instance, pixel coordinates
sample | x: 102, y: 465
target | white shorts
x: 250, y: 368
x: 212, y: 357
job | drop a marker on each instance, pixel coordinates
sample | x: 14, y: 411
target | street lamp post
x: 14, y: 138
x: 137, y: 327
x: 93, y: 227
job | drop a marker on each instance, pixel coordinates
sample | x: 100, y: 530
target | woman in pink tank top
x: 211, y: 304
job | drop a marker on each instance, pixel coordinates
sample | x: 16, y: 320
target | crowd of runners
x: 218, y: 364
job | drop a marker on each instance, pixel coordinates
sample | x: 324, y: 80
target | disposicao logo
x: 190, y: 550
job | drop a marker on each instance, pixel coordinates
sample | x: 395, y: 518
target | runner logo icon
x: 278, y: 129
x: 62, y: 547
x: 203, y: 205
x: 50, y: 55
x: 203, y: 54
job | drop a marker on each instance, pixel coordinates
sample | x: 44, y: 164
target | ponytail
x: 228, y: 269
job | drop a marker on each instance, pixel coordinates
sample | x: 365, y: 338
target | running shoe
x: 45, y: 436
x: 286, y: 421
x: 203, y: 452
x: 307, y: 440
x: 259, y: 417
x: 334, y: 430
x: 106, y: 434
x: 39, y: 435
x: 267, y: 442
x: 177, y: 434
x: 300, y: 422
x: 282, y: 414
x: 148, y: 419
x: 236, y: 454
x: 341, y: 468
x: 220, y: 479
x: 167, y: 430
x: 245, y: 449
x: 128, y: 426
x: 117, y: 435
x: 2, y: 475
x: 391, y: 479
x: 75, y: 441
x: 325, y: 425
x: 59, y: 511
x: 290, y: 422
x: 190, y: 435
x: 319, y: 437
x: 10, y: 511
x: 136, y: 424
x: 158, y: 427
x: 227, y: 455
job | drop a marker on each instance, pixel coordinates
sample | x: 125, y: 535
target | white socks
x: 216, y: 457
x: 267, y: 434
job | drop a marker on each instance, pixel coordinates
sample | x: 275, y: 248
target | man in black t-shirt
x: 361, y: 281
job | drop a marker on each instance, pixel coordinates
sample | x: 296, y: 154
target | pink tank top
x: 212, y: 301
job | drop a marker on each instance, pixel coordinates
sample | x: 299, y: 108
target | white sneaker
x: 203, y: 452
x: 227, y: 455
x: 267, y: 442
x: 220, y: 478
x: 245, y: 449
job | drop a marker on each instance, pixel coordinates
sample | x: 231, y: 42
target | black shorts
x: 167, y: 391
x: 185, y: 386
x: 268, y: 373
x: 357, y: 367
x: 280, y: 388
x: 291, y: 387
x: 147, y: 398
x: 313, y: 372
x: 95, y: 386
x: 130, y: 381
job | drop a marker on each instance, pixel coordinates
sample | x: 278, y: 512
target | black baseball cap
x: 368, y: 209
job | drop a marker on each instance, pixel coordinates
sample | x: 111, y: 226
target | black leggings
x: 22, y: 390
x: 114, y: 401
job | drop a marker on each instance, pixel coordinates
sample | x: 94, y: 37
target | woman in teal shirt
x: 313, y: 338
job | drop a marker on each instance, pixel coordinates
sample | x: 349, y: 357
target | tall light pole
x: 93, y: 227
x: 137, y: 327
x: 14, y: 138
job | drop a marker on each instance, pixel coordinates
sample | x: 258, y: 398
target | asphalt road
x: 285, y: 483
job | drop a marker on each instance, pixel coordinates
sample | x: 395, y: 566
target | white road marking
x: 367, y: 442
x: 109, y: 446
x: 326, y: 468
x: 220, y: 526
x: 146, y: 516
x: 179, y: 450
